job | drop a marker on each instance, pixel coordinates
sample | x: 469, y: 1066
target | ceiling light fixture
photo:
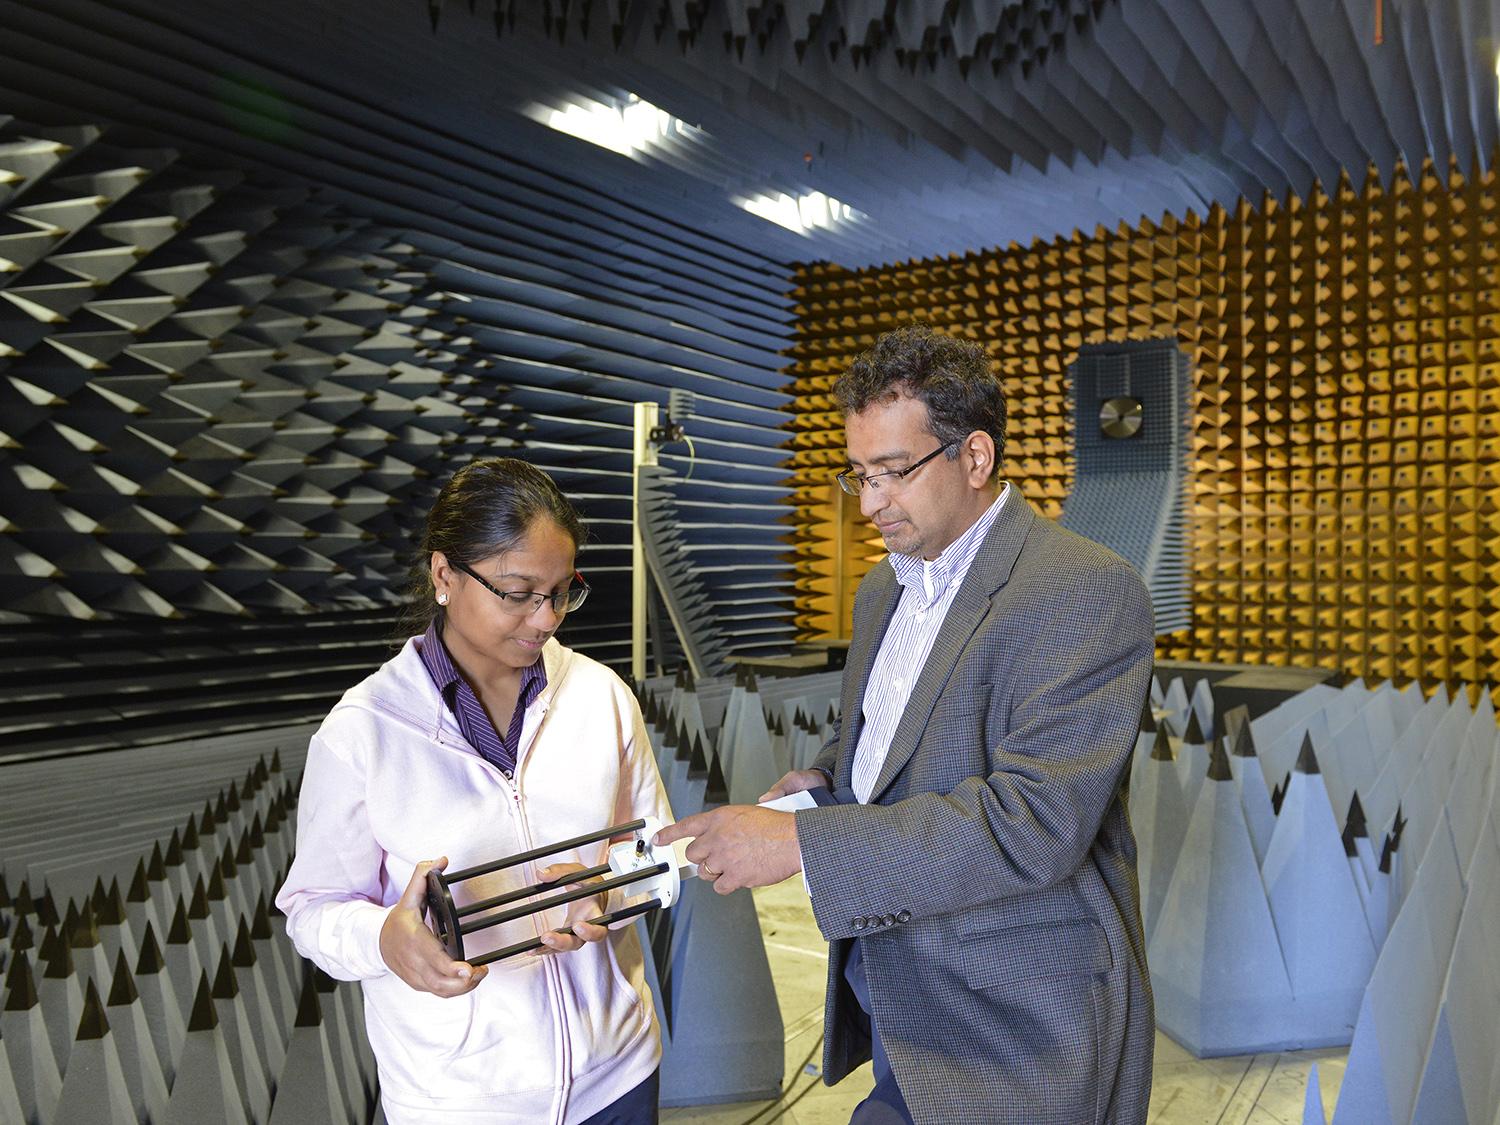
x: 629, y: 128
x: 801, y: 213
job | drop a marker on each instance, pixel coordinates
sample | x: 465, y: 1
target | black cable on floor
x: 780, y: 1103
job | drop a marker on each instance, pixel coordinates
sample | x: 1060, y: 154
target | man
x: 976, y: 877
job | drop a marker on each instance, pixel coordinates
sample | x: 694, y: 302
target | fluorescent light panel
x: 634, y: 127
x: 801, y: 213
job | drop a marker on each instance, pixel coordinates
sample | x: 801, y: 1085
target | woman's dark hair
x: 952, y: 377
x: 485, y: 509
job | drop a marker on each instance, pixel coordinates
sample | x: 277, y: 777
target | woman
x: 482, y: 738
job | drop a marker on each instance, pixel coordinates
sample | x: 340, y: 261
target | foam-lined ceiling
x: 946, y: 127
x: 958, y: 126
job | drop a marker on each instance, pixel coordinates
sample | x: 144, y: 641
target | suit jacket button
x: 859, y: 923
x: 888, y: 920
x: 904, y: 917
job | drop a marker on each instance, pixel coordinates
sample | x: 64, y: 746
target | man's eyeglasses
x: 851, y: 482
x: 523, y: 603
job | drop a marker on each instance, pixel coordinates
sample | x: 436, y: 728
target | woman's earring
x: 442, y: 599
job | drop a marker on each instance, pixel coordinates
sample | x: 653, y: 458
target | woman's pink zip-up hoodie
x: 389, y: 782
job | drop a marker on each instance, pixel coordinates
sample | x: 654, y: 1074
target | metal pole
x: 536, y: 943
x: 586, y: 891
x: 535, y: 889
x: 537, y: 853
x: 646, y: 414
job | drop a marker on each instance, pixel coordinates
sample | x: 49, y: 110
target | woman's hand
x: 578, y: 913
x: 413, y: 952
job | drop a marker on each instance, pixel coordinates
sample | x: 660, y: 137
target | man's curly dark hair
x: 952, y: 377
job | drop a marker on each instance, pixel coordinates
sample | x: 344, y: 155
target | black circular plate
x: 442, y: 915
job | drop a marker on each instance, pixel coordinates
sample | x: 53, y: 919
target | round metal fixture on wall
x: 1121, y: 417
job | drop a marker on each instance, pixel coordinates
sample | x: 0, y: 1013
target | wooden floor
x: 1245, y: 1090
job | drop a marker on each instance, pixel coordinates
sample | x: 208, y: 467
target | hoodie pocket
x: 414, y: 1034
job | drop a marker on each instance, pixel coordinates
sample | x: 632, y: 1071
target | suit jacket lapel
x: 989, y: 571
x: 883, y: 592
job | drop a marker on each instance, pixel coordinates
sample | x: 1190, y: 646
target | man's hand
x: 740, y: 845
x: 414, y: 953
x: 578, y: 913
x: 797, y: 781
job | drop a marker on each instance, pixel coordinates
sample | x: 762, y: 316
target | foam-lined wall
x: 1346, y: 364
x: 226, y: 395
x: 565, y: 282
x: 220, y: 396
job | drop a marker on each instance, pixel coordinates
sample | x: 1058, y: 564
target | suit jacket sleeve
x: 828, y: 757
x: 1030, y: 822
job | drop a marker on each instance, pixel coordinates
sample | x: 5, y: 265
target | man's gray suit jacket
x: 991, y: 880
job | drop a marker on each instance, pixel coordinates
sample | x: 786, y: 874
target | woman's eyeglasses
x: 523, y: 603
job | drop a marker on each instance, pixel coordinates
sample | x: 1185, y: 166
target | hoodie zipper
x: 554, y: 970
x: 551, y: 972
x: 511, y: 785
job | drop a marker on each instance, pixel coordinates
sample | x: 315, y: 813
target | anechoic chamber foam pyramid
x: 218, y: 396
x: 1382, y: 933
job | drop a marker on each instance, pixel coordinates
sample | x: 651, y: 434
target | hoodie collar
x: 403, y: 687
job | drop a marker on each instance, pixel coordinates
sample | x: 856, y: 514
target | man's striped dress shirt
x: 927, y: 590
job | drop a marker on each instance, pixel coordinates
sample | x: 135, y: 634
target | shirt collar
x: 931, y: 580
x: 446, y: 677
x: 436, y: 660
